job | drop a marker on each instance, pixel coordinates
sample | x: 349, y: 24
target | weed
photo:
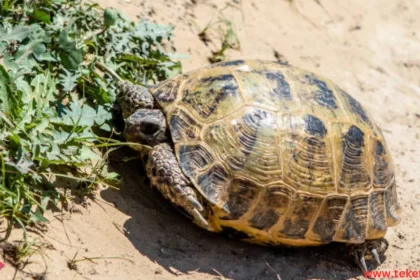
x: 56, y: 107
x: 228, y: 37
x: 72, y: 263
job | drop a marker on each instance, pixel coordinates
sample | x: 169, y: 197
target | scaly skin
x: 165, y: 174
x: 133, y: 97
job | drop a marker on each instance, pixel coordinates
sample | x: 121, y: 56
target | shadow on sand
x: 166, y: 237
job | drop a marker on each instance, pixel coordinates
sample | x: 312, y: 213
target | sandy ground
x: 369, y: 48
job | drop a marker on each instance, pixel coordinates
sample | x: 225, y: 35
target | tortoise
x: 273, y: 153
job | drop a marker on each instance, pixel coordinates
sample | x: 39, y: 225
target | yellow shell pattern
x: 282, y: 156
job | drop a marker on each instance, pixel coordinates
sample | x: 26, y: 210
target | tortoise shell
x: 280, y: 154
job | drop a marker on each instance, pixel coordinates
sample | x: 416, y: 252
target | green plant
x: 55, y: 105
x: 228, y: 37
x: 19, y: 253
x: 72, y: 263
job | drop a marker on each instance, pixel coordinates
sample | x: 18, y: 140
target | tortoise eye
x: 149, y: 128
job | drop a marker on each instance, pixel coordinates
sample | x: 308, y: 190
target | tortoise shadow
x: 166, y: 237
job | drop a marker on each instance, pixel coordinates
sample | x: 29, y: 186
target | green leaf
x: 44, y: 89
x: 156, y: 32
x: 35, y: 47
x: 38, y: 216
x: 4, y: 91
x: 103, y: 117
x: 120, y: 41
x: 109, y: 175
x: 19, y: 33
x: 40, y: 15
x: 23, y: 61
x: 82, y: 115
x: 86, y: 154
x: 14, y: 140
x: 41, y: 53
x: 23, y: 165
x: 68, y: 79
x: 3, y: 47
x: 44, y: 202
x: 5, y: 5
x: 69, y: 54
x: 76, y: 115
x: 41, y: 126
x: 101, y: 92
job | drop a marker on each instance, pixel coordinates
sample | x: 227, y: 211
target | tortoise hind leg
x: 371, y: 249
x: 165, y: 174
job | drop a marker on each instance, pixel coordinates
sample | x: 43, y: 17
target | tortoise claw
x: 194, y: 208
x: 359, y: 259
x: 362, y: 263
x: 376, y: 256
x: 199, y: 218
x: 194, y: 203
x: 371, y: 249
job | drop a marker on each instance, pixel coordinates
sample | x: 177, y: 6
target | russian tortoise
x: 276, y: 153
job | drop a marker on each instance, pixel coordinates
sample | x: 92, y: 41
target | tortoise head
x: 145, y: 123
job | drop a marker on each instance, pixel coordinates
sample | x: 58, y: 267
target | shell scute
x: 272, y: 206
x: 262, y: 85
x: 300, y: 214
x: 377, y: 218
x: 265, y: 219
x: 307, y: 160
x: 166, y: 92
x: 321, y: 94
x: 392, y: 206
x: 355, y: 173
x: 383, y: 173
x: 183, y: 127
x: 328, y: 218
x: 211, y: 95
x: 213, y: 184
x: 246, y: 143
x: 358, y: 112
x: 242, y: 193
x: 352, y: 227
x: 194, y: 158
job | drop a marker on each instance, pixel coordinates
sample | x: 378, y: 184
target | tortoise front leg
x: 371, y: 249
x: 165, y: 174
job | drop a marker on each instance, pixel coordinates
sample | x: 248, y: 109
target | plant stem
x: 108, y: 70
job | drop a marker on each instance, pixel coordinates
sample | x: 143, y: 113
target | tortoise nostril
x: 149, y: 128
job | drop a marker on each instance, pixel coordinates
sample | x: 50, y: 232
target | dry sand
x: 370, y: 48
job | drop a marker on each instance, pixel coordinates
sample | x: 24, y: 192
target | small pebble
x: 158, y: 271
